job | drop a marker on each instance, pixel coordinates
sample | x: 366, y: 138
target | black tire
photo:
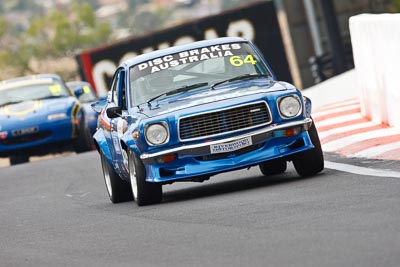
x: 144, y: 193
x: 118, y: 190
x: 14, y: 160
x: 272, y: 167
x: 84, y: 142
x: 310, y: 162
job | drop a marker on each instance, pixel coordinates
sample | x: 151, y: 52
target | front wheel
x: 118, y: 190
x: 144, y: 193
x: 310, y: 162
x: 272, y: 167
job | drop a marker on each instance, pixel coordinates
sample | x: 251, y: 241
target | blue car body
x: 39, y: 124
x: 200, y: 130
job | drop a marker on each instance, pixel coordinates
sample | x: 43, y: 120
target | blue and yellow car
x: 87, y: 96
x: 189, y: 112
x: 39, y: 115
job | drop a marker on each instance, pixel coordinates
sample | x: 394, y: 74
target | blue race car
x: 39, y: 115
x: 87, y: 96
x: 189, y: 112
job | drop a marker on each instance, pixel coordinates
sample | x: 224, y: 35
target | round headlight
x: 289, y: 106
x: 156, y: 134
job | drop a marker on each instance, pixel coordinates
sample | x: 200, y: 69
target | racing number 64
x: 237, y: 61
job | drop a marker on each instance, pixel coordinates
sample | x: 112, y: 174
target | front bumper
x: 197, y: 159
x: 51, y: 137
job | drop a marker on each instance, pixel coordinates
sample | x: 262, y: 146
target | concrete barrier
x: 376, y: 49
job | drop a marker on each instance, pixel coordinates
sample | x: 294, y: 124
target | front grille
x: 224, y: 121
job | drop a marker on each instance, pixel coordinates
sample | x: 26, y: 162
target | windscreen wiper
x: 179, y: 89
x: 241, y: 77
x: 49, y: 97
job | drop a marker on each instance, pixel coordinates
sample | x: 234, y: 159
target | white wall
x: 376, y: 49
x: 337, y: 89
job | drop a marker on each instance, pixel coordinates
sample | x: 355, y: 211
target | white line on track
x: 361, y: 170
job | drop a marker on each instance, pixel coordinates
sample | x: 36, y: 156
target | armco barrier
x: 376, y: 49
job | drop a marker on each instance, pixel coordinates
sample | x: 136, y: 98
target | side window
x: 118, y: 89
x: 122, y: 96
x: 113, y: 94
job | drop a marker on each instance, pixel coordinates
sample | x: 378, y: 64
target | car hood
x: 34, y: 108
x: 199, y: 97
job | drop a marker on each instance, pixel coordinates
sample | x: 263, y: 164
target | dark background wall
x: 256, y: 22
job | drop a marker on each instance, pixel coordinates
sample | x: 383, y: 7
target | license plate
x: 232, y: 146
x: 25, y: 131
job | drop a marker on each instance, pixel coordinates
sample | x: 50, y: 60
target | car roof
x: 179, y: 48
x: 78, y: 83
x: 31, y: 79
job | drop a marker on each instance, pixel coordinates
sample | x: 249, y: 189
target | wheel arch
x: 101, y: 145
x: 130, y: 144
x: 308, y: 106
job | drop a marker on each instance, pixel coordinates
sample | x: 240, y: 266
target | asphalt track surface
x: 55, y: 212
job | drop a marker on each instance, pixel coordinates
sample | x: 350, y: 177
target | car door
x: 118, y: 98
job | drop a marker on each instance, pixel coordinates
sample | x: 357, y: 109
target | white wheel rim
x: 132, y: 175
x: 107, y: 178
x: 125, y: 159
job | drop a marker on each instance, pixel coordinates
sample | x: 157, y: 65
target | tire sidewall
x: 118, y: 190
x: 146, y: 192
x: 310, y: 162
x: 133, y: 174
x: 107, y: 176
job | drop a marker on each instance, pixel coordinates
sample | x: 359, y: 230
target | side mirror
x: 114, y: 112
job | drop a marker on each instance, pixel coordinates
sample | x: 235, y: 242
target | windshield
x: 25, y: 90
x: 204, y: 66
x: 88, y: 94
